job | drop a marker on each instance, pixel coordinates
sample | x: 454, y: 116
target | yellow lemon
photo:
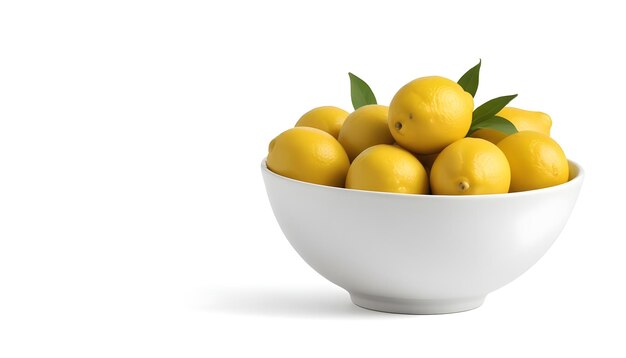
x: 537, y: 161
x: 522, y: 119
x: 470, y: 166
x: 427, y: 160
x: 387, y: 168
x: 429, y: 113
x: 327, y: 118
x: 365, y: 127
x: 308, y: 154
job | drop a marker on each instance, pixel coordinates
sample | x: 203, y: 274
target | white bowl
x: 419, y: 254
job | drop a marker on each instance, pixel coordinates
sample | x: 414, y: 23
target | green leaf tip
x: 360, y: 92
x: 469, y: 80
x: 490, y: 108
x: 496, y: 123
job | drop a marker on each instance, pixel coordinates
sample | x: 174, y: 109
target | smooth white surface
x: 133, y: 218
x: 419, y: 254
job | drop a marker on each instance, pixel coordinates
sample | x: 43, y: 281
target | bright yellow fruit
x: 308, y: 154
x: 327, y: 118
x: 387, y: 168
x: 427, y: 160
x: 429, y: 113
x: 537, y: 161
x: 522, y: 119
x: 365, y: 127
x: 470, y: 166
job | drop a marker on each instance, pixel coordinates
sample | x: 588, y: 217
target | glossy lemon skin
x: 522, y: 119
x: 364, y: 128
x: 310, y: 155
x: 427, y: 160
x: 537, y: 161
x: 429, y: 113
x: 470, y: 166
x: 387, y: 168
x: 327, y: 118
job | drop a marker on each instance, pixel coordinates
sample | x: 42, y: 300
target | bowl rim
x: 571, y: 182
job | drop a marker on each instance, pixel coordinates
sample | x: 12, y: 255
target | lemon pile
x: 429, y: 140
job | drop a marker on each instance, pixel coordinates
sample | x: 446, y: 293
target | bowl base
x: 416, y: 306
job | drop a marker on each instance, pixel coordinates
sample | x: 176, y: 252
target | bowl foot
x: 416, y: 306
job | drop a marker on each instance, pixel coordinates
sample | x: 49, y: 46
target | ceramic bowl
x: 419, y: 254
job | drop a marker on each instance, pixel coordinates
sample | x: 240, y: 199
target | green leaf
x: 469, y: 81
x: 361, y: 93
x: 490, y: 108
x: 498, y: 123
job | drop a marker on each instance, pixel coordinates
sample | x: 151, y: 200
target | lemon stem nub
x: 463, y: 185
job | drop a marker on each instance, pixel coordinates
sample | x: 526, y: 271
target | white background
x: 133, y: 217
